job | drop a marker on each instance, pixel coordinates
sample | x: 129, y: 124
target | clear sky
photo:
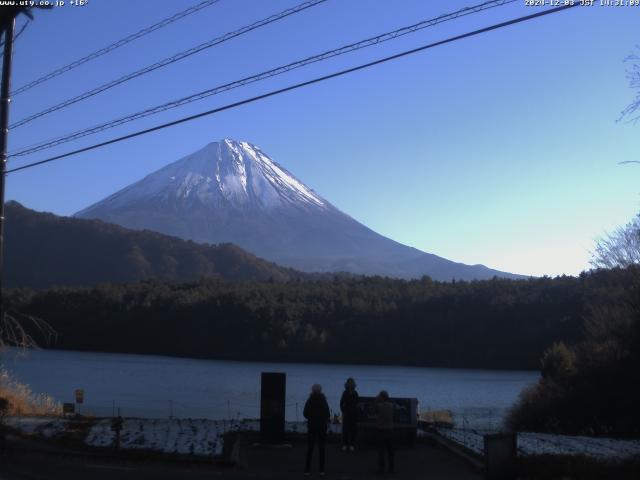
x: 500, y: 149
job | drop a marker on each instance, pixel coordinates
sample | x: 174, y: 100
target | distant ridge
x: 231, y: 191
x: 43, y: 250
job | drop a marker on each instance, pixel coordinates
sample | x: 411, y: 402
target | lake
x: 156, y: 386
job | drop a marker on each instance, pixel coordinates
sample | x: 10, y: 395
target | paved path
x: 424, y: 461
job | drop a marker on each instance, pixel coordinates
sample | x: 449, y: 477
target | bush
x: 18, y: 398
x: 591, y: 388
x: 539, y: 408
x: 558, y: 362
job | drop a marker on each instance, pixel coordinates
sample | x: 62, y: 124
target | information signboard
x: 405, y: 419
x: 404, y: 411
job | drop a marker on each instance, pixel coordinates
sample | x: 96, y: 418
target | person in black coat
x: 349, y: 409
x: 317, y: 413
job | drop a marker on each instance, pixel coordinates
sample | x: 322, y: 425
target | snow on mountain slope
x: 235, y: 172
x: 231, y: 191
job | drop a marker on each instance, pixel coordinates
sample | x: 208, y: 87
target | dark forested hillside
x: 482, y: 324
x: 43, y: 249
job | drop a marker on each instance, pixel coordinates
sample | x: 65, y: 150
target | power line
x: 169, y: 60
x: 296, y: 86
x: 115, y: 45
x: 260, y: 76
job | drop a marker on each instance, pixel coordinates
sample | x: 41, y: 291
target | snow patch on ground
x: 545, y: 443
x: 178, y: 435
x: 184, y: 436
x: 201, y: 437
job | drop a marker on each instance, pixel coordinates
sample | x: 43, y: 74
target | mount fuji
x: 231, y: 191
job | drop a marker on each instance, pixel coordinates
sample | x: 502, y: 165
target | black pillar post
x: 272, y: 407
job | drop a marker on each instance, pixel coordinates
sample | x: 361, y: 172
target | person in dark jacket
x: 317, y: 413
x: 384, y: 430
x: 349, y: 409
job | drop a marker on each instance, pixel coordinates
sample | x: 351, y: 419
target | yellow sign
x: 79, y: 395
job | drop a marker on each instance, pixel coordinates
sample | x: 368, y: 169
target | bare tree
x: 632, y: 112
x: 18, y: 329
x: 620, y: 248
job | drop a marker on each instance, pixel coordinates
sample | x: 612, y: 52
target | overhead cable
x: 259, y: 76
x: 113, y: 46
x: 169, y: 60
x: 295, y: 86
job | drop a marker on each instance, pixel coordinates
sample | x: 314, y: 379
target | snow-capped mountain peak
x: 228, y: 172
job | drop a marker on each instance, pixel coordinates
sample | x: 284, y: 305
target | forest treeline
x: 497, y: 323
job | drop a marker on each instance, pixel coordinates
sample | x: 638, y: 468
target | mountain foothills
x: 43, y: 249
x: 232, y: 192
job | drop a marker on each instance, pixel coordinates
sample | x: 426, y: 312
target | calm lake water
x: 155, y: 386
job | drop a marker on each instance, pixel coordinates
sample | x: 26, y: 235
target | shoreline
x: 269, y: 361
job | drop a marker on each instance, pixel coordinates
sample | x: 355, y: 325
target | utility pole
x: 8, y: 16
x: 8, y: 27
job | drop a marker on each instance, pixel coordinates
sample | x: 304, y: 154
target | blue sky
x: 501, y: 149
